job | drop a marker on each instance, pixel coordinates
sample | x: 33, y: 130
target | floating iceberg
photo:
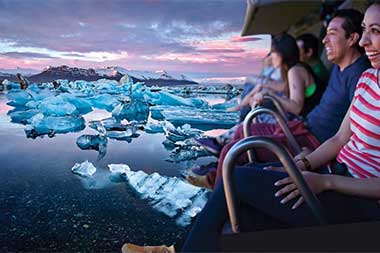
x: 11, y: 85
x: 180, y: 133
x: 21, y: 116
x: 85, y: 169
x: 104, y: 101
x: 202, y: 118
x: 41, y: 125
x: 56, y: 106
x: 95, y: 142
x: 165, y: 98
x: 228, y: 89
x: 98, y: 126
x: 114, y: 129
x: 137, y: 110
x: 169, y: 195
x: 122, y: 135
x: 186, y: 150
x: 39, y: 94
x: 18, y: 98
x: 153, y: 128
x: 81, y: 104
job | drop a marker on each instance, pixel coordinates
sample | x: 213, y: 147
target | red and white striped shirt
x: 361, y: 154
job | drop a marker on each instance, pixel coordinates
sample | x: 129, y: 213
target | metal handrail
x: 277, y: 104
x: 285, y: 159
x: 280, y: 120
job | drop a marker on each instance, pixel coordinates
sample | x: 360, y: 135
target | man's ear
x: 353, y: 39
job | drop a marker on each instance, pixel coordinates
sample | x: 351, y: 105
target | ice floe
x: 169, y: 195
x: 84, y: 169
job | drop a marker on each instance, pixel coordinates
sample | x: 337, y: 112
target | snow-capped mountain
x: 22, y: 71
x: 49, y: 74
x: 141, y: 75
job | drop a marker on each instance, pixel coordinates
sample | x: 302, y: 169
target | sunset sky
x: 183, y: 36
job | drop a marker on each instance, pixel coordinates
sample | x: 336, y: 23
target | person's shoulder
x: 360, y: 65
x: 299, y: 68
x: 369, y: 74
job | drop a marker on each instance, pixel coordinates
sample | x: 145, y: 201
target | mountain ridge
x: 49, y: 74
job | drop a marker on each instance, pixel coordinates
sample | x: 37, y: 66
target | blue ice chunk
x: 22, y: 117
x: 95, y: 142
x: 168, y: 144
x: 119, y: 168
x: 225, y: 106
x: 82, y: 105
x: 104, y: 101
x: 32, y: 104
x: 201, y: 118
x: 114, y: 129
x: 41, y: 124
x: 197, y: 102
x: 186, y: 150
x: 166, y: 98
x: 155, y: 112
x: 18, y: 98
x: 56, y: 106
x: 152, y: 128
x: 98, y: 126
x: 169, y: 195
x: 63, y: 85
x: 121, y: 135
x: 126, y: 79
x: 85, y: 169
x: 46, y: 86
x: 111, y: 124
x: 137, y: 110
x: 81, y: 85
x: 106, y: 86
x: 180, y: 133
x: 227, y: 89
x: 122, y: 131
x: 40, y: 94
x: 198, y: 202
x: 11, y: 85
x: 33, y: 87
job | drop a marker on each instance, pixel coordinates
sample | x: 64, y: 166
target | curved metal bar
x: 289, y: 165
x: 277, y: 104
x: 259, y: 110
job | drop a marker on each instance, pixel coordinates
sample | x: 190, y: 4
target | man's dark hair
x: 310, y: 42
x: 352, y: 24
x: 371, y: 2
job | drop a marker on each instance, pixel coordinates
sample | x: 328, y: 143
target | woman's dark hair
x: 286, y: 46
x: 310, y: 42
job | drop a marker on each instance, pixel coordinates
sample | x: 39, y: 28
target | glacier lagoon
x: 46, y: 207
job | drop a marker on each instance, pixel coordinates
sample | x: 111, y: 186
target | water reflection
x: 45, y: 207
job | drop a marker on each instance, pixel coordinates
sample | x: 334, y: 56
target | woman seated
x: 271, y: 198
x: 300, y: 86
x: 298, y: 93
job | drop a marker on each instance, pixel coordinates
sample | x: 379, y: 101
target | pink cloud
x: 243, y: 39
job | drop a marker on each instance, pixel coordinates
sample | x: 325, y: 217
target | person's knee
x: 250, y: 179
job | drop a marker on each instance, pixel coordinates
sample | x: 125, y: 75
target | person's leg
x: 213, y: 177
x: 256, y: 190
x: 205, y: 233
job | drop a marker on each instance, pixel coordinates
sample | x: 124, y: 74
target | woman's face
x: 276, y: 59
x: 371, y: 35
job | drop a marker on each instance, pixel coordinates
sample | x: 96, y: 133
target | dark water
x: 45, y: 207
